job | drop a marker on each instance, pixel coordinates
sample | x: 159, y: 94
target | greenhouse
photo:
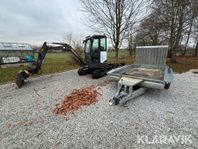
x: 15, y: 52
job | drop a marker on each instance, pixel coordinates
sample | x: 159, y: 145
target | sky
x: 36, y: 21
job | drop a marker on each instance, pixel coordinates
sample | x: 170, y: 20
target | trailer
x: 148, y: 71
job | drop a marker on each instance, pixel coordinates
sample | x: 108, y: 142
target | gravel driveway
x: 26, y: 120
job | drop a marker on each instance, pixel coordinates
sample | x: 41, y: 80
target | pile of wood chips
x: 78, y: 98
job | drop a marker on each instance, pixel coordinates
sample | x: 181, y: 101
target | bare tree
x: 196, y: 35
x: 151, y: 31
x: 173, y: 15
x: 195, y: 25
x: 189, y: 20
x: 75, y: 42
x: 131, y: 34
x: 72, y: 40
x: 196, y: 49
x: 113, y: 17
x: 130, y: 43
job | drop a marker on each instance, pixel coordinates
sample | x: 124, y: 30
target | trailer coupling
x: 128, y: 88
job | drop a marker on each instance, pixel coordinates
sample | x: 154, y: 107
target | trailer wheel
x: 167, y: 85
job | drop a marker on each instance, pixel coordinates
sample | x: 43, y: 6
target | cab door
x: 87, y: 45
x: 95, y: 51
x: 103, y: 50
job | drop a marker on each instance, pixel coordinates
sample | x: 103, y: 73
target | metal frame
x: 131, y: 86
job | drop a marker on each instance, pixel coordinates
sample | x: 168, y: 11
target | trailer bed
x: 156, y: 75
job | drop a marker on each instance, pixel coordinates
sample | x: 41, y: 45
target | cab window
x: 103, y: 44
x: 95, y: 44
x: 87, y: 46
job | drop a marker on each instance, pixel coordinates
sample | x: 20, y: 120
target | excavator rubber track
x: 99, y: 73
x: 84, y: 71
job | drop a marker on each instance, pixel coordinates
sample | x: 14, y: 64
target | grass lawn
x: 54, y: 62
x: 58, y: 62
x: 184, y: 64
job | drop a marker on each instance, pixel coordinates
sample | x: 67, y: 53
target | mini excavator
x: 94, y: 62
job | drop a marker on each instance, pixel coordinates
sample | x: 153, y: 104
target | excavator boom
x: 24, y: 74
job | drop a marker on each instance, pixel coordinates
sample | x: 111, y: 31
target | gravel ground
x: 26, y: 120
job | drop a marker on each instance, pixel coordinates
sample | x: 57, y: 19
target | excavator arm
x: 76, y: 55
x: 24, y: 74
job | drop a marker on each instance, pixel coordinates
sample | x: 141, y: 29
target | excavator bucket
x: 20, y: 80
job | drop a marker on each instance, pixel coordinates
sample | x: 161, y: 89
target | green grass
x: 123, y: 57
x: 54, y: 62
x: 184, y: 64
x: 8, y: 74
x: 58, y: 62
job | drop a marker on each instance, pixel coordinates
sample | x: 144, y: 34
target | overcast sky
x: 36, y: 21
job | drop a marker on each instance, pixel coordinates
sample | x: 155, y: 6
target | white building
x: 14, y: 52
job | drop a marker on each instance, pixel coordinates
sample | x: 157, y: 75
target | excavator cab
x: 95, y: 49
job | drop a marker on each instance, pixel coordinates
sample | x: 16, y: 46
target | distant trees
x: 196, y: 49
x: 75, y: 42
x: 170, y: 22
x: 196, y: 38
x: 195, y: 25
x: 151, y: 31
x: 113, y: 17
